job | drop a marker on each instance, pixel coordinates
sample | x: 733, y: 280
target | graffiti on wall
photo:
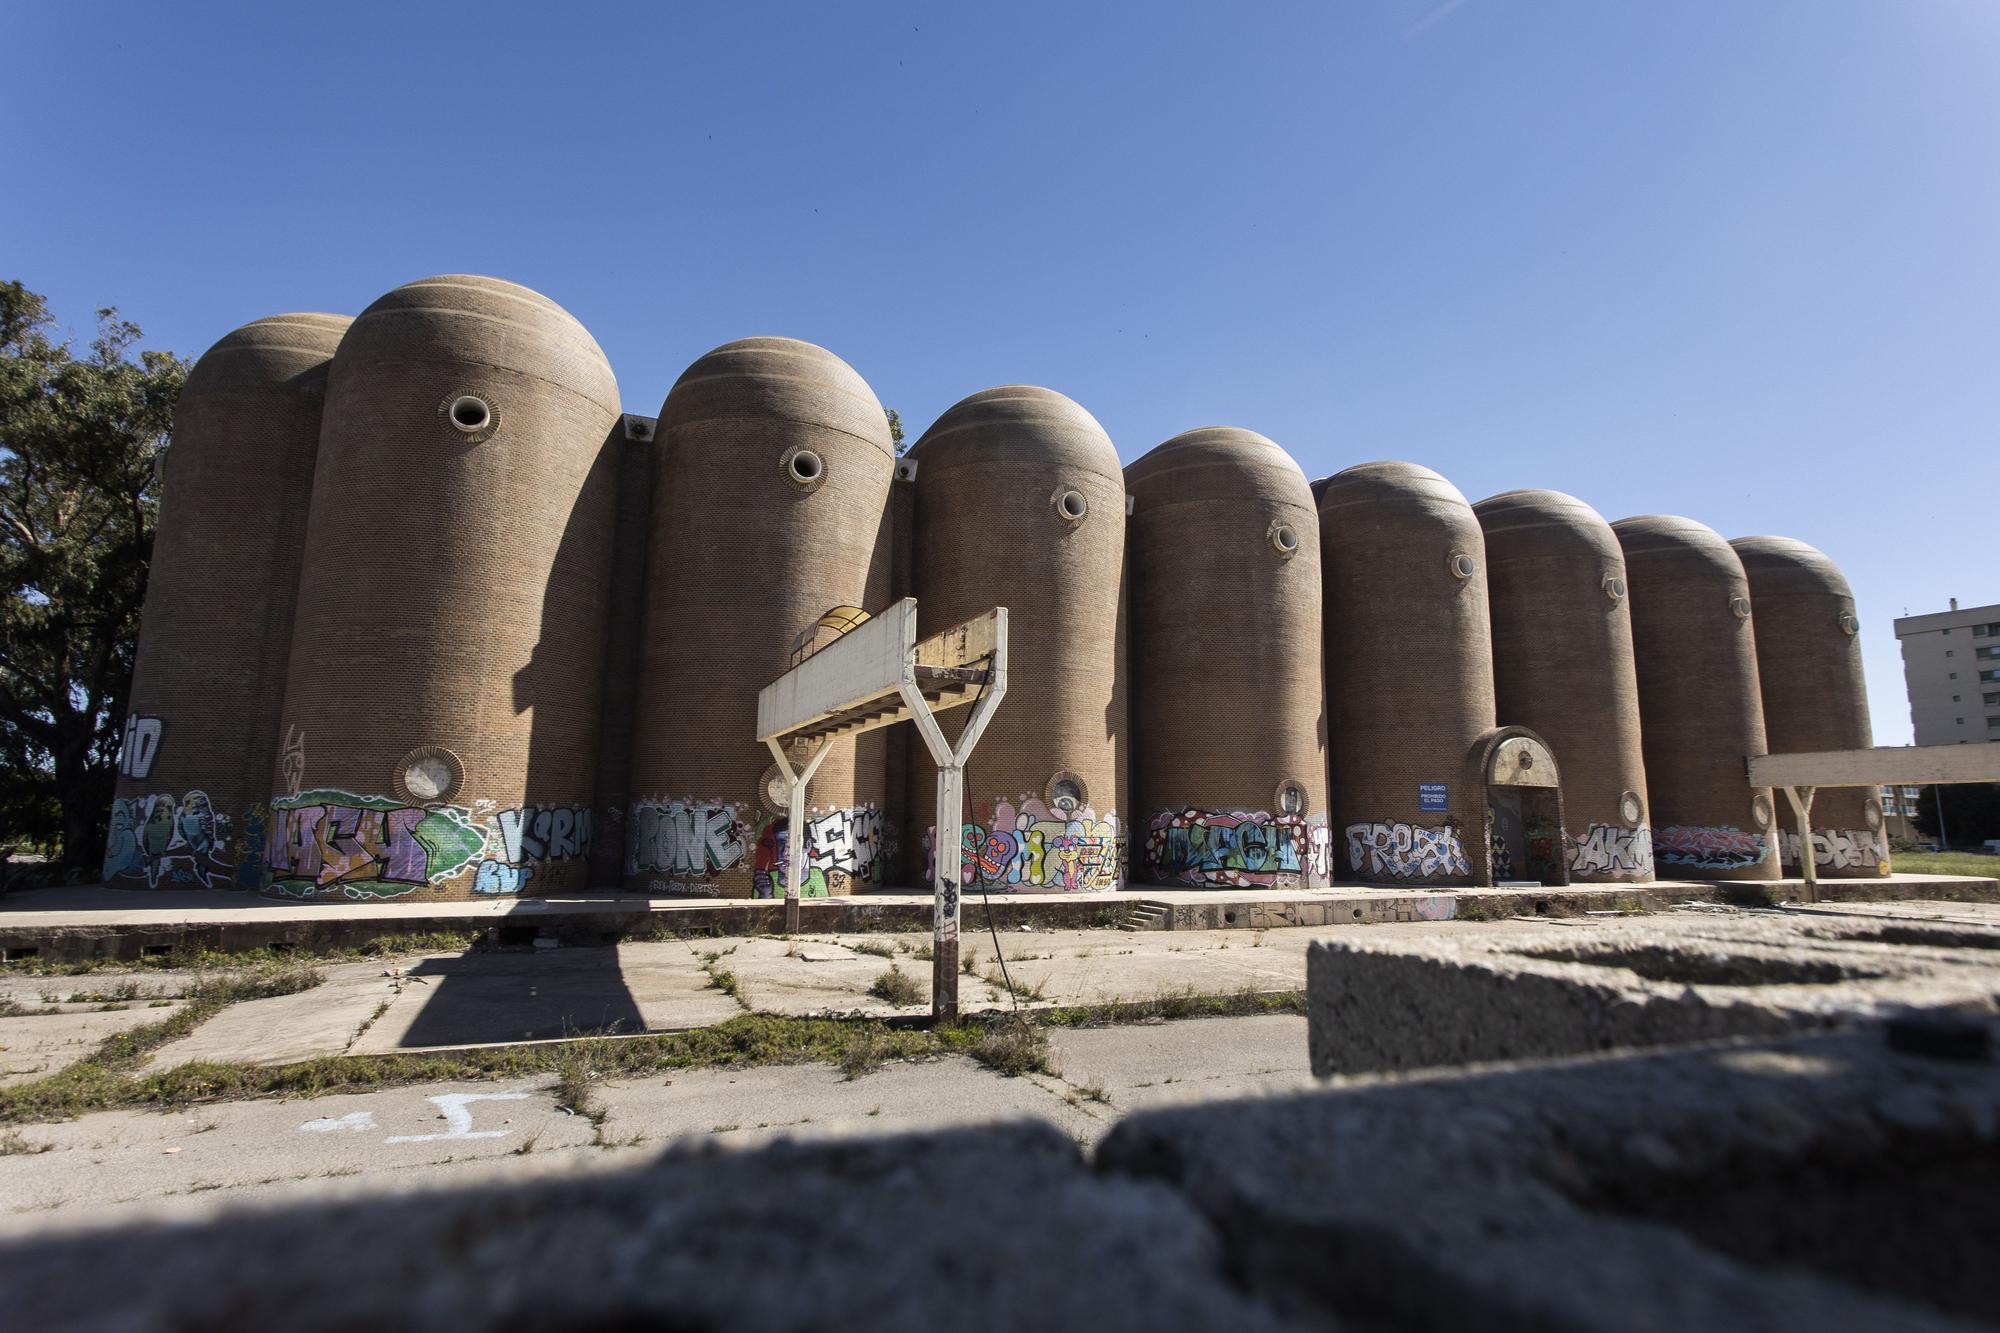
x: 1722, y: 848
x: 327, y: 843
x: 141, y: 746
x: 1024, y: 845
x: 1405, y: 851
x: 1838, y: 849
x: 688, y: 840
x: 1237, y: 848
x: 843, y: 847
x: 1610, y: 849
x: 526, y: 837
x: 169, y: 839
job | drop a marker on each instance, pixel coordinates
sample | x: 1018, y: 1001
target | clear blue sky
x: 1723, y: 258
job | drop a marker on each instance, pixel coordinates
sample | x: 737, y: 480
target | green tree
x: 895, y: 428
x: 79, y: 440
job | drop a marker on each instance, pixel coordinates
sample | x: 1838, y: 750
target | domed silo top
x: 269, y: 351
x: 1404, y: 487
x: 461, y: 319
x: 1019, y: 423
x: 1681, y: 539
x: 1197, y: 465
x: 778, y: 380
x: 1789, y: 566
x: 1532, y: 510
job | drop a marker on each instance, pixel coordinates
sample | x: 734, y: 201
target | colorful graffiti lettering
x: 1029, y: 846
x: 327, y: 843
x: 1237, y: 848
x: 1610, y: 849
x: 842, y: 847
x: 1707, y: 848
x: 1838, y: 849
x: 1405, y: 851
x: 518, y: 840
x: 168, y: 838
x: 690, y: 838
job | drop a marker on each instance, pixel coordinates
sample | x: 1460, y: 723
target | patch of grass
x: 13, y: 1145
x: 1186, y: 1002
x: 924, y: 953
x: 1024, y: 990
x: 107, y: 1078
x: 1013, y: 1049
x: 897, y: 987
x: 864, y: 1053
x: 202, y: 958
x: 128, y: 991
x: 722, y: 979
x: 966, y: 961
x: 874, y: 949
x: 13, y: 1008
x: 724, y: 1129
x: 1945, y: 863
x: 1471, y: 909
x: 576, y: 1070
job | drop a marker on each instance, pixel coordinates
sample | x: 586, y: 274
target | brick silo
x: 202, y: 734
x: 1409, y: 676
x: 442, y: 708
x: 1815, y: 697
x: 1020, y: 502
x: 1562, y: 665
x: 1225, y: 592
x: 771, y: 509
x: 1699, y: 710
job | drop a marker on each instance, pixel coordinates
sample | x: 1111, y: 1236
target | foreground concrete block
x: 1001, y: 1228
x: 1413, y: 1002
x: 1821, y: 1183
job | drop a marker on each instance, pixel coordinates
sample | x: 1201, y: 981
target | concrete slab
x: 93, y: 922
x: 1196, y: 1060
x: 41, y: 1044
x: 1377, y: 1003
x: 996, y: 1229
x: 748, y: 1107
x: 481, y: 999
x: 1825, y: 1183
x: 122, y: 1157
x: 286, y: 1028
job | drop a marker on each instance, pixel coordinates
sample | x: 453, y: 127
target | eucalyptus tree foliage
x: 80, y: 438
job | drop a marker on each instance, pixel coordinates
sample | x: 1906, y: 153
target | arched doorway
x: 1524, y: 810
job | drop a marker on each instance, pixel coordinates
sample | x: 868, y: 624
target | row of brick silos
x: 429, y: 615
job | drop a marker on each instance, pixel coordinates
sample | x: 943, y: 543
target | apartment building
x: 1951, y: 669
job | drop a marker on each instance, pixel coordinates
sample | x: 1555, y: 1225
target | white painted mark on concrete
x: 354, y: 1122
x: 453, y: 1105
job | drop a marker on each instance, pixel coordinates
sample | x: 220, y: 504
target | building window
x: 1992, y: 724
x: 1948, y: 652
x: 1986, y: 675
x: 1988, y: 653
x: 1979, y: 631
x: 1954, y: 675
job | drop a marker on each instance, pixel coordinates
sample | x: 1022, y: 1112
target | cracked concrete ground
x: 400, y: 1138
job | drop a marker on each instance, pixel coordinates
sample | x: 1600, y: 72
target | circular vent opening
x: 1630, y: 808
x: 1291, y: 798
x: 806, y: 466
x: 1460, y: 564
x: 1849, y: 625
x: 1071, y: 505
x: 1614, y: 587
x: 1739, y: 606
x: 470, y: 414
x: 1760, y: 811
x: 428, y: 774
x: 1066, y: 793
x: 1284, y: 539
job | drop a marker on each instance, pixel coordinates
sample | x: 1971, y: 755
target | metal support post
x: 949, y: 858
x: 1802, y: 799
x: 795, y: 825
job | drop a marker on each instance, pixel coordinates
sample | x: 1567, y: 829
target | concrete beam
x: 1880, y: 767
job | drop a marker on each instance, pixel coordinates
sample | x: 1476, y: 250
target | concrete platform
x: 1385, y: 1003
x: 92, y: 921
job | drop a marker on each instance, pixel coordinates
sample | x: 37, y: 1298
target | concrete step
x: 1148, y: 915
